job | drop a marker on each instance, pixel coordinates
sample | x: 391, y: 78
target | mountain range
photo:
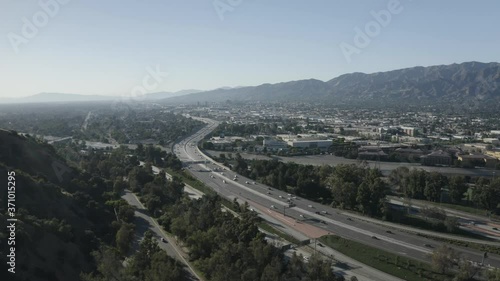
x: 62, y: 97
x: 465, y: 82
x: 455, y: 82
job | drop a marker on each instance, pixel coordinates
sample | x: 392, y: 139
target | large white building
x: 322, y: 144
x: 410, y: 131
x: 274, y: 144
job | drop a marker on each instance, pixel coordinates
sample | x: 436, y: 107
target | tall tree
x: 443, y: 258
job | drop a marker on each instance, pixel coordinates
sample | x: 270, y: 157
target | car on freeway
x: 273, y: 207
x: 253, y: 183
x: 163, y: 240
x: 224, y: 181
x: 324, y: 212
x: 310, y: 206
x: 280, y: 196
x: 247, y: 182
x: 268, y: 192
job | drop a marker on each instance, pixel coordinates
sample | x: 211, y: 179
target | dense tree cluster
x: 486, y: 194
x: 157, y: 157
x: 261, y: 128
x: 149, y: 263
x: 344, y: 149
x: 155, y: 190
x: 303, y: 180
x: 358, y: 188
x: 352, y: 187
x: 225, y: 247
x: 419, y: 184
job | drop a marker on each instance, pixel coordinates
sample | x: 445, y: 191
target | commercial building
x: 409, y: 152
x: 321, y: 144
x: 493, y: 141
x: 410, y: 131
x: 495, y: 154
x: 372, y: 155
x: 271, y: 144
x: 438, y: 157
x: 473, y: 160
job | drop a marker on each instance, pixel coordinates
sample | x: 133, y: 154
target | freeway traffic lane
x: 368, y: 233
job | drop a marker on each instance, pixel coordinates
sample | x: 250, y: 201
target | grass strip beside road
x: 401, y: 267
x: 267, y: 227
x: 466, y: 209
x: 481, y: 247
x: 434, y: 225
x: 190, y: 180
x: 198, y: 185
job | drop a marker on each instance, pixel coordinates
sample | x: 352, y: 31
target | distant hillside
x: 62, y: 97
x: 164, y: 95
x: 58, y: 97
x: 456, y: 82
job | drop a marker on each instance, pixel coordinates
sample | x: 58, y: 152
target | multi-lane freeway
x: 306, y: 212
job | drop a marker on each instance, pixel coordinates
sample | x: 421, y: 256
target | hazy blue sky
x: 106, y: 46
